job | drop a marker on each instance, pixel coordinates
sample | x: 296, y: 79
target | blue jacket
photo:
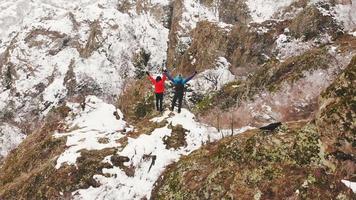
x: 179, y: 79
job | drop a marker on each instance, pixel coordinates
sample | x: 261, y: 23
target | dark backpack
x: 179, y: 88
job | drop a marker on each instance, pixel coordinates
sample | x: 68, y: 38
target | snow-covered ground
x: 262, y: 10
x: 351, y: 185
x: 97, y: 121
x: 287, y: 46
x: 88, y: 126
x: 37, y: 80
x: 213, y: 79
x: 343, y: 12
x: 10, y: 137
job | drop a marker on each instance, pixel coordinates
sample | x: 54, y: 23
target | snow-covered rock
x: 10, y: 138
x: 262, y: 10
x: 140, y: 152
x: 53, y: 50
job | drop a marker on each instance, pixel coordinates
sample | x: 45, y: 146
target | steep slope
x: 103, y: 157
x: 281, y: 65
x: 73, y: 89
x: 54, y: 51
x: 296, y: 161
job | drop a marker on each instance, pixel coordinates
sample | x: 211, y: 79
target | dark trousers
x: 179, y: 97
x: 159, y: 100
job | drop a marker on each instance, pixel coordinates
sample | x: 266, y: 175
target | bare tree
x: 213, y: 78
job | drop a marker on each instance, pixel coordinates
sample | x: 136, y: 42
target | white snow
x: 213, y: 79
x: 10, y: 138
x: 40, y: 76
x: 98, y: 121
x: 287, y: 46
x: 351, y: 185
x: 347, y: 15
x: 262, y: 10
x: 194, y: 12
x: 342, y: 11
x: 4, y: 97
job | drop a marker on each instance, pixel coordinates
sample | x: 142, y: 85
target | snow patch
x: 287, y: 46
x: 142, y: 182
x: 213, y: 79
x: 10, y: 138
x: 88, y: 126
x: 343, y: 12
x: 262, y: 10
x: 347, y: 15
x: 97, y: 121
x: 349, y: 184
x: 194, y: 12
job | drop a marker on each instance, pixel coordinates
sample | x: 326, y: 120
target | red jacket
x: 159, y: 86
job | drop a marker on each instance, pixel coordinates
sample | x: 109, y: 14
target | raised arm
x: 164, y: 78
x: 153, y: 81
x: 190, y: 78
x: 168, y: 75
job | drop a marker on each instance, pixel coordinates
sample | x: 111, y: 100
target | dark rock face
x: 119, y: 160
x: 271, y: 127
x: 311, y: 23
x: 336, y: 116
x: 336, y: 122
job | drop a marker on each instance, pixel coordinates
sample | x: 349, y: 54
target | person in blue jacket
x: 178, y: 83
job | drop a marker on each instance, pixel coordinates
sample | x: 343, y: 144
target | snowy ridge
x: 46, y: 40
x: 97, y: 121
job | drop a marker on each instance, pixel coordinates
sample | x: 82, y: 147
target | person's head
x: 178, y: 78
x: 158, y: 78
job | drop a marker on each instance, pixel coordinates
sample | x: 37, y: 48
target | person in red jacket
x: 159, y: 89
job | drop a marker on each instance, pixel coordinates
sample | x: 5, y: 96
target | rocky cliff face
x: 74, y: 97
x: 309, y: 158
x: 52, y: 52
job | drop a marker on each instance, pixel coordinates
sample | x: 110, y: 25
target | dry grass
x: 177, y: 138
x: 29, y: 171
x: 136, y: 101
x: 70, y: 80
x: 94, y: 40
x: 254, y: 162
x: 5, y: 56
x: 31, y: 37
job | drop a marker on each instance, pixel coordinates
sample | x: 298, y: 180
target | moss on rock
x: 255, y: 162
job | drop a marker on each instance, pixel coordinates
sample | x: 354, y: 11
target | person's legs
x: 157, y: 101
x: 174, y: 101
x: 161, y: 102
x: 180, y: 100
